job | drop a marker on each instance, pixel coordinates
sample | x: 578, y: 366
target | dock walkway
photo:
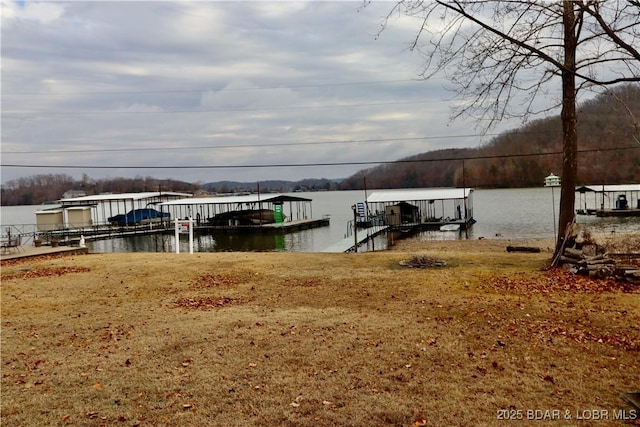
x: 348, y: 243
x: 274, y: 228
x: 29, y: 251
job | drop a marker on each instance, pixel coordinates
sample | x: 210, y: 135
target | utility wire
x: 221, y: 110
x: 296, y: 165
x: 277, y: 144
x: 221, y: 89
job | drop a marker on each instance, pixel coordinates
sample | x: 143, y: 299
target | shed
x: 401, y: 213
x: 79, y: 216
x: 50, y: 220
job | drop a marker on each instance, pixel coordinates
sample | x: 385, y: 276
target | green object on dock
x: 277, y: 214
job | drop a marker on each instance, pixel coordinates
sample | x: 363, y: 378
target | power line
x: 225, y: 89
x: 221, y: 110
x: 278, y: 144
x: 295, y: 165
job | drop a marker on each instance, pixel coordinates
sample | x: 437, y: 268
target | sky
x: 204, y: 91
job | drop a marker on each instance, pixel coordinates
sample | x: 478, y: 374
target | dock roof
x: 122, y: 196
x: 384, y: 196
x: 608, y: 188
x: 221, y: 200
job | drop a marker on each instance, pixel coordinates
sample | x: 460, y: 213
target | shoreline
x: 627, y: 242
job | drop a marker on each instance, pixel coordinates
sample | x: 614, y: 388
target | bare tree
x: 504, y: 57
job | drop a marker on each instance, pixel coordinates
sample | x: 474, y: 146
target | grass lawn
x: 290, y: 339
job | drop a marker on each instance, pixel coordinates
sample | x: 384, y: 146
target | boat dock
x: 72, y: 236
x: 110, y: 216
x: 609, y: 200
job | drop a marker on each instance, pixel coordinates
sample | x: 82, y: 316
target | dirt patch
x: 207, y: 303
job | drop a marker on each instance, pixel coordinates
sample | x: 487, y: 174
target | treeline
x: 280, y: 186
x: 608, y: 125
x: 38, y: 189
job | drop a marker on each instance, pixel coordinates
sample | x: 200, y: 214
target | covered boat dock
x: 609, y: 200
x: 104, y: 206
x: 88, y: 216
x: 422, y: 208
x: 406, y: 211
x: 247, y: 213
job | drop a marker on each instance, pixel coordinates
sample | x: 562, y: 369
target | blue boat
x: 139, y: 216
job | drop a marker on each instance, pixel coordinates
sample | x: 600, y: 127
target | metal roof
x: 222, y: 200
x: 122, y: 196
x: 383, y: 196
x: 608, y: 188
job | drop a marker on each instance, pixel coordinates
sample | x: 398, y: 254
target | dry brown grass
x: 288, y: 339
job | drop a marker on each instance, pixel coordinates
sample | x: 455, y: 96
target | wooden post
x: 355, y: 228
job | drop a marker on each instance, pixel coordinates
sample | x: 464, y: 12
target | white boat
x: 450, y: 227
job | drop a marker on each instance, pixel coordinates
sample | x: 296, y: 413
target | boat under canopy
x: 609, y: 200
x: 251, y: 209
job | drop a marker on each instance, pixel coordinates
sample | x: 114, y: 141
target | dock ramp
x: 347, y: 244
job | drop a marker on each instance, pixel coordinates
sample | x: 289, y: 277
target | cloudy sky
x: 207, y: 91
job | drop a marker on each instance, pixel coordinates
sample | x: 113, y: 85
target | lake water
x: 502, y: 213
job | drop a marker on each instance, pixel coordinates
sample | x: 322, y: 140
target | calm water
x: 504, y: 214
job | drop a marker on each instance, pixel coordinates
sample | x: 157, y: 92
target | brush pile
x: 422, y: 261
x: 581, y: 255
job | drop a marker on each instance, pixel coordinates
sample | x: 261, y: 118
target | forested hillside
x: 606, y: 131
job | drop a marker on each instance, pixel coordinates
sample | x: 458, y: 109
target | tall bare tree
x: 505, y: 56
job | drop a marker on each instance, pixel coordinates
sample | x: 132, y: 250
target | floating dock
x: 274, y: 228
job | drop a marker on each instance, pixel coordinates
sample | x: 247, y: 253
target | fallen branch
x: 522, y: 249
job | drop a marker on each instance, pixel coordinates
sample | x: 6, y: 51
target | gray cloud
x: 213, y: 83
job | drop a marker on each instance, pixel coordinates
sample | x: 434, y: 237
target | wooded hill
x: 609, y: 153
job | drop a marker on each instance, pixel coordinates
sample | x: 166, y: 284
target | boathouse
x: 609, y: 200
x: 424, y: 208
x: 94, y: 211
